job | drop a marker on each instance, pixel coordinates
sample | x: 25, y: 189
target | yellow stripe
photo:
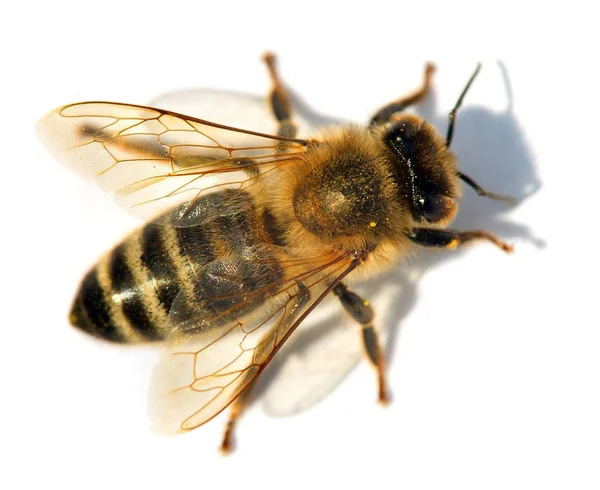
x: 114, y: 305
x: 183, y: 267
x: 148, y: 291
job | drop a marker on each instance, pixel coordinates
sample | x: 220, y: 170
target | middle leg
x: 450, y: 239
x: 360, y: 310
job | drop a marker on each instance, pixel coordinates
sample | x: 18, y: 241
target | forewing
x: 219, y: 346
x: 240, y: 110
x: 153, y: 159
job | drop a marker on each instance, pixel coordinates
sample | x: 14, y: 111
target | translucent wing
x: 153, y: 159
x: 325, y: 350
x: 237, y: 109
x: 220, y: 344
x: 319, y: 357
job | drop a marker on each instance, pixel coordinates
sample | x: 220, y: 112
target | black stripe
x: 91, y: 312
x: 195, y: 244
x: 225, y: 285
x: 238, y: 227
x: 156, y: 258
x: 274, y: 231
x: 124, y: 284
x: 235, y: 231
x: 199, y: 242
x: 197, y: 250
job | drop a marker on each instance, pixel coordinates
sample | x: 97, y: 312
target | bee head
x: 424, y: 167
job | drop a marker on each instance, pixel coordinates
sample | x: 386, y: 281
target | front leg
x: 281, y: 104
x: 360, y: 310
x: 451, y: 239
x: 386, y: 113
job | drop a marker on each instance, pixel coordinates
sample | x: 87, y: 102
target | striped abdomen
x: 128, y: 295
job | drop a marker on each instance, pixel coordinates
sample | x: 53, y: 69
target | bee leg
x: 374, y: 352
x: 280, y: 100
x: 386, y: 113
x: 452, y: 239
x: 236, y: 409
x: 361, y: 311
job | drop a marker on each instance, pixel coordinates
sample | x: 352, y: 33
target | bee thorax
x: 342, y: 197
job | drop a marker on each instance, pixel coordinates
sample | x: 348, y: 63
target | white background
x: 495, y: 359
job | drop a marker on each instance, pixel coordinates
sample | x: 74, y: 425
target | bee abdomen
x: 127, y: 296
x: 91, y: 311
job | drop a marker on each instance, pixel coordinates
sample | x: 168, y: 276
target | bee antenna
x: 465, y: 178
x: 452, y: 115
x: 484, y: 193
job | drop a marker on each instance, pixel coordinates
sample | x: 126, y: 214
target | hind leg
x: 360, y: 310
x: 235, y: 411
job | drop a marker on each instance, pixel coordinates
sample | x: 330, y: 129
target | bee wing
x: 322, y: 353
x: 240, y: 110
x: 316, y: 362
x: 153, y: 159
x: 218, y: 347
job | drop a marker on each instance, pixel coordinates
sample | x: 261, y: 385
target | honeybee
x: 249, y: 232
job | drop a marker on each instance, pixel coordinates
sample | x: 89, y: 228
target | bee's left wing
x: 219, y: 348
x: 154, y: 159
x: 239, y: 110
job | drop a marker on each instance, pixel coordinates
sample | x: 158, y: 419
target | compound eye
x: 435, y: 207
x: 400, y: 138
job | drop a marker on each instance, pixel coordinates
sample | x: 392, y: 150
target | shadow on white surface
x: 491, y: 149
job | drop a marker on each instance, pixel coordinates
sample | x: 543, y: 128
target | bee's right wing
x: 326, y: 350
x: 223, y: 340
x: 153, y: 159
x: 313, y: 364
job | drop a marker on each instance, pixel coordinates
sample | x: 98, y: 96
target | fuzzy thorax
x: 344, y: 196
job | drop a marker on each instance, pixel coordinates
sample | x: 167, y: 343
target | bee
x: 248, y: 232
